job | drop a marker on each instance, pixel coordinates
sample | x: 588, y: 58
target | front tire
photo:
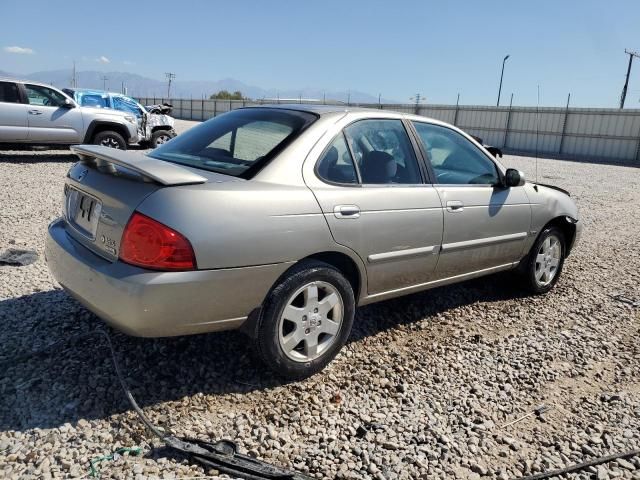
x: 111, y: 139
x: 305, y: 321
x: 160, y: 137
x: 545, y: 260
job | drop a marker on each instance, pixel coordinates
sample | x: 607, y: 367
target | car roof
x: 24, y: 80
x: 317, y: 108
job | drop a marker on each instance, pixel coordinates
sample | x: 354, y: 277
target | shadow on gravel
x: 48, y: 154
x: 35, y: 155
x: 78, y: 381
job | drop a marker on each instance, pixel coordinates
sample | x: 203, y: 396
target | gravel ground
x: 422, y: 390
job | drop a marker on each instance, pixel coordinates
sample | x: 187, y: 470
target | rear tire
x: 305, y: 320
x: 160, y: 137
x: 543, y: 266
x: 111, y: 139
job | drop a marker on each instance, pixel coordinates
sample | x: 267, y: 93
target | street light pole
x: 501, y: 75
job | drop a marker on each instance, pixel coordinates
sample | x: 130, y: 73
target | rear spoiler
x: 159, y: 171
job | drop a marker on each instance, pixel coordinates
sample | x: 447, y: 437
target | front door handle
x: 346, y: 211
x: 455, y: 206
x: 35, y: 112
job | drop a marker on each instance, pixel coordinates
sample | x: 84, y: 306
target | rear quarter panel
x: 244, y: 222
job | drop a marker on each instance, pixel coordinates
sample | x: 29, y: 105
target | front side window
x: 336, y: 164
x: 9, y: 92
x: 236, y: 143
x: 383, y: 152
x: 43, y: 96
x: 455, y: 160
x: 125, y: 104
x: 94, y: 100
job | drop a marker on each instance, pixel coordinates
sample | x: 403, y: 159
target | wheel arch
x: 97, y: 126
x: 567, y: 226
x: 350, y: 267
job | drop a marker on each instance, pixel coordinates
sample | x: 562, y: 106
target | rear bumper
x: 157, y: 304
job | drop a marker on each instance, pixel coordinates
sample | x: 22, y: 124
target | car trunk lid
x: 103, y: 190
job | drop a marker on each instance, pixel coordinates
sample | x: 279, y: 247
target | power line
x: 631, y: 54
x: 170, y: 76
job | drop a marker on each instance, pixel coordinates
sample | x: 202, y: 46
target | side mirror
x: 514, y: 178
x: 68, y: 104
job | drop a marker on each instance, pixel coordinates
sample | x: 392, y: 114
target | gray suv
x: 35, y: 113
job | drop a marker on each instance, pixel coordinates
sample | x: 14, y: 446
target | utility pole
x: 74, y: 82
x: 631, y: 54
x: 104, y: 82
x: 170, y: 76
x: 501, y: 75
x: 417, y: 98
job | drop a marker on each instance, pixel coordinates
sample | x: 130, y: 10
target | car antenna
x: 537, y: 129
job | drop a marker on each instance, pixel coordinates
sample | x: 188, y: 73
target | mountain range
x: 139, y: 86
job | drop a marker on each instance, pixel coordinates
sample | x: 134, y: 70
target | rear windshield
x: 237, y: 143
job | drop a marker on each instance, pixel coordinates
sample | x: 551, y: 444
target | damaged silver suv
x: 154, y: 128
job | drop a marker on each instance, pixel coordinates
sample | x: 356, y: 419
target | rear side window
x: 383, y: 152
x: 9, y: 92
x: 336, y: 164
x: 237, y: 143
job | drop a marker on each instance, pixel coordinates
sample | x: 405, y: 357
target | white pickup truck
x: 39, y: 114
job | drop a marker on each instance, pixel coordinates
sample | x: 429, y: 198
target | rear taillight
x: 150, y: 244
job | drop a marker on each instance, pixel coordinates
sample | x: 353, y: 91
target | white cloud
x: 19, y: 50
x: 103, y: 59
x: 128, y: 62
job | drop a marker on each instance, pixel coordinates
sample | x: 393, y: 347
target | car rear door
x: 13, y: 113
x: 485, y: 223
x: 376, y: 200
x: 49, y: 120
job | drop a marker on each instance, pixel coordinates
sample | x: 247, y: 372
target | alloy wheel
x: 162, y: 139
x: 548, y: 260
x: 310, y: 322
x: 110, y: 142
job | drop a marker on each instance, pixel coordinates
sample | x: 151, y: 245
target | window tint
x: 336, y: 165
x: 455, y: 159
x: 237, y: 142
x: 9, y: 92
x: 44, y: 96
x: 383, y: 152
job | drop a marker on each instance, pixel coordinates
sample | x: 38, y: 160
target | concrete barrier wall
x: 601, y: 135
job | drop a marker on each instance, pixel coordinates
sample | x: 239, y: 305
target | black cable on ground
x: 167, y: 438
x: 222, y: 455
x: 582, y: 466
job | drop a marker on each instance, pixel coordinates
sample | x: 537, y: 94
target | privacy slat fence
x: 600, y: 135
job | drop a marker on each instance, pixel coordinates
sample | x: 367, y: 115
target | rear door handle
x: 346, y: 211
x: 35, y: 112
x: 455, y: 206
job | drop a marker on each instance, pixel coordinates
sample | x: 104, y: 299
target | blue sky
x: 397, y: 48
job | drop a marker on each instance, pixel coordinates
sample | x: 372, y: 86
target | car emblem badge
x: 82, y: 174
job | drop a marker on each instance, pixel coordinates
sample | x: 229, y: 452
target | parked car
x: 35, y: 113
x: 155, y: 126
x: 281, y: 220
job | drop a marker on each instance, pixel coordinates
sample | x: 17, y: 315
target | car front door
x: 485, y: 223
x: 50, y: 119
x: 374, y: 196
x: 13, y: 113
